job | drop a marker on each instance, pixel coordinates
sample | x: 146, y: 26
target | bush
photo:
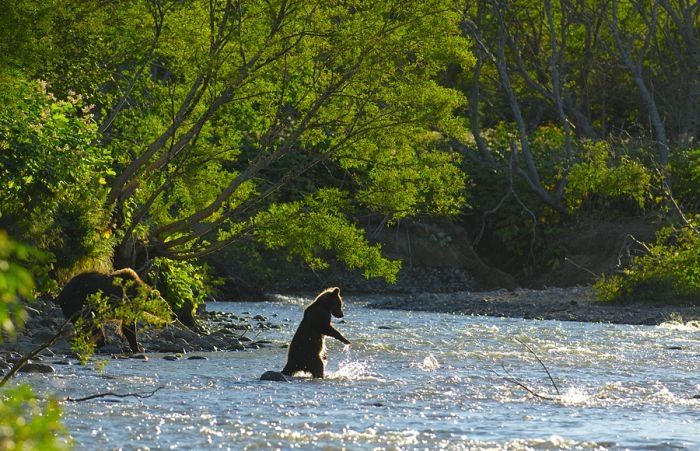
x: 183, y: 285
x: 52, y: 175
x: 601, y: 177
x: 25, y: 423
x: 668, y: 273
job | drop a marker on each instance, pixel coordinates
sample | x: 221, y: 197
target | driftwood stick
x: 541, y: 363
x: 513, y: 380
x: 116, y: 395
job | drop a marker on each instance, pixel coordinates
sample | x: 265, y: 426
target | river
x: 411, y: 380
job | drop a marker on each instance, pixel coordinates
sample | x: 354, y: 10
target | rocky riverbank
x: 224, y: 332
x: 563, y: 304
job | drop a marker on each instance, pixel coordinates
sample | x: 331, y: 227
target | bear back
x: 73, y: 295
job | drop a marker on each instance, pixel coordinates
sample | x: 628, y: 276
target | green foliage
x: 16, y: 282
x: 184, y: 285
x: 668, y: 273
x: 27, y: 423
x: 316, y: 226
x: 597, y: 175
x: 137, y: 303
x: 685, y: 177
x: 53, y: 176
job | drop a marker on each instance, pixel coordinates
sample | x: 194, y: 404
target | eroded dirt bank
x: 563, y: 304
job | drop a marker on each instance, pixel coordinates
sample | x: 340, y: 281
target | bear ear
x: 336, y: 290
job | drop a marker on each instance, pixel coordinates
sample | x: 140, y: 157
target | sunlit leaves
x: 669, y: 272
x: 316, y: 228
x: 52, y: 173
x: 598, y: 175
x: 26, y: 422
x: 16, y: 283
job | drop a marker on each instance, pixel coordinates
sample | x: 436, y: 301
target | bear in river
x: 73, y: 295
x: 307, y: 350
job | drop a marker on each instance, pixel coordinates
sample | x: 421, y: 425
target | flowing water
x: 409, y: 381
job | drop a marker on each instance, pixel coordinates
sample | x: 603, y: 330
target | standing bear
x: 74, y: 294
x: 307, y: 350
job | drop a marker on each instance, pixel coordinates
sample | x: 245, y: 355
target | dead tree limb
x: 513, y: 380
x: 541, y: 363
x: 116, y: 395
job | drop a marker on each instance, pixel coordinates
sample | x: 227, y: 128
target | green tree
x: 214, y: 111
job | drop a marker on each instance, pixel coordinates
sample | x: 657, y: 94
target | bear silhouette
x: 307, y: 349
x: 74, y: 294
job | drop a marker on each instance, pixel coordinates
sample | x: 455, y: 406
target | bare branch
x: 117, y: 395
x: 541, y: 363
x: 25, y: 358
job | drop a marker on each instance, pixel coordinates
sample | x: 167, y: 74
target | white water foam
x: 429, y: 363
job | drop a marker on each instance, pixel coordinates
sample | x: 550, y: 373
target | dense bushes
x: 53, y: 176
x: 669, y: 272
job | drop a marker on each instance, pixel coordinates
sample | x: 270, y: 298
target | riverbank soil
x: 563, y: 304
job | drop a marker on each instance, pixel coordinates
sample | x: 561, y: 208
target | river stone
x: 43, y: 336
x: 197, y: 357
x: 61, y: 362
x: 139, y: 357
x: 172, y: 358
x: 178, y: 345
x: 37, y: 368
x: 184, y: 334
x: 274, y: 376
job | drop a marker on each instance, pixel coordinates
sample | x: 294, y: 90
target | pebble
x: 139, y: 357
x: 197, y: 357
x: 37, y: 368
x: 171, y: 357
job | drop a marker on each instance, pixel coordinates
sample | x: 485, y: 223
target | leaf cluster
x: 138, y: 303
x: 668, y: 273
x: 53, y: 175
x: 26, y: 422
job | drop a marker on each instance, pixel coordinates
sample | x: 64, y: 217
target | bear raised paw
x: 307, y: 350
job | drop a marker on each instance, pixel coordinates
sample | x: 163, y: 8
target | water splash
x: 575, y: 396
x: 690, y: 326
x: 429, y: 363
x: 350, y: 370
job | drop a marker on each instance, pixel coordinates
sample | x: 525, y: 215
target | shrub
x: 183, y: 285
x: 52, y: 174
x: 669, y: 272
x: 25, y: 422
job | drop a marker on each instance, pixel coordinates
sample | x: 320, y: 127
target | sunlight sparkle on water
x: 409, y: 380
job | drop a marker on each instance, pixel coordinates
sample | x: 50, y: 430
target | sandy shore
x: 563, y: 304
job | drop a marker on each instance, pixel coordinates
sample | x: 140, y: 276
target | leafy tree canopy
x: 220, y: 115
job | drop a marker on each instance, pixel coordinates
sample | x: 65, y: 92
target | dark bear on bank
x: 72, y: 298
x: 307, y: 350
